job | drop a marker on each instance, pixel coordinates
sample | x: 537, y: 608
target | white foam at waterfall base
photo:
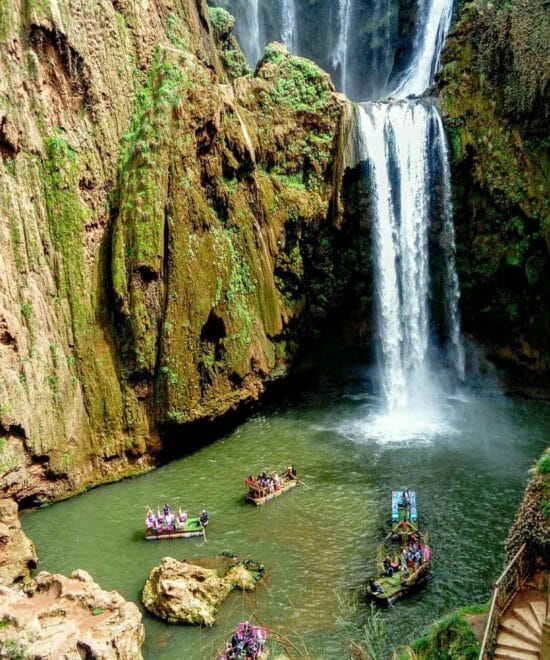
x: 427, y: 415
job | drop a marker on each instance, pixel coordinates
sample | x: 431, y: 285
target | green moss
x: 222, y: 21
x: 543, y: 464
x: 299, y: 84
x: 67, y: 217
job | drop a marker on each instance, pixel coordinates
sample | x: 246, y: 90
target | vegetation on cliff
x: 495, y: 97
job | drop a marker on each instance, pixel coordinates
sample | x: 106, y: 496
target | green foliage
x: 96, y: 611
x: 222, y: 21
x: 543, y: 464
x: 26, y: 310
x: 450, y: 638
x: 299, y: 84
x: 10, y: 649
x: 235, y: 62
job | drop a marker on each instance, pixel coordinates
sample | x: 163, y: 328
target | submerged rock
x: 17, y: 553
x: 60, y: 617
x: 185, y: 592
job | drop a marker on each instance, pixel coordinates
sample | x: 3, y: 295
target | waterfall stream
x: 340, y: 53
x: 288, y: 24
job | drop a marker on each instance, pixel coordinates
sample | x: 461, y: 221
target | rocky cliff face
x: 494, y: 92
x: 161, y: 224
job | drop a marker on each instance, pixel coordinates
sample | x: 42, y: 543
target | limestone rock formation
x: 185, y: 592
x: 57, y: 617
x: 170, y: 225
x: 17, y: 553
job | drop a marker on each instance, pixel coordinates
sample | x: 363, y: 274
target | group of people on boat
x: 168, y: 521
x: 248, y: 643
x: 266, y: 483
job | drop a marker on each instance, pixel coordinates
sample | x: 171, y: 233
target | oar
x: 204, y: 534
x: 304, y: 484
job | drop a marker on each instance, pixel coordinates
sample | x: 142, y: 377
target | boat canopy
x: 403, y: 504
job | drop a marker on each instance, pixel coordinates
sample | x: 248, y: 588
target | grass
x: 450, y: 638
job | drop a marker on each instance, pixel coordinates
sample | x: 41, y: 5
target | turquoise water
x: 468, y: 465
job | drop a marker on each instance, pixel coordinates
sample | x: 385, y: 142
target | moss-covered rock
x: 208, y: 246
x: 532, y: 522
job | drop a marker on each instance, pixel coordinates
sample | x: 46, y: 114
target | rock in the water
x: 183, y: 592
x: 17, y: 553
x: 58, y: 617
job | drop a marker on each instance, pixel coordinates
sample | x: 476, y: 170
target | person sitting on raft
x: 291, y: 473
x: 375, y: 588
x: 150, y: 520
x: 203, y: 518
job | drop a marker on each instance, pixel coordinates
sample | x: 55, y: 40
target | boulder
x: 55, y: 617
x: 185, y: 592
x: 17, y: 553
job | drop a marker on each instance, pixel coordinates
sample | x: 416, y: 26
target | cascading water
x: 394, y: 139
x: 340, y: 53
x: 288, y: 24
x: 254, y: 50
x: 452, y: 286
x: 433, y: 27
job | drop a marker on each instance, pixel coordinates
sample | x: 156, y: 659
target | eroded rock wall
x: 160, y: 218
x: 494, y: 92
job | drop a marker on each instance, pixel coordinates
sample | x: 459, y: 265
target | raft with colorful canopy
x: 403, y: 505
x: 167, y: 525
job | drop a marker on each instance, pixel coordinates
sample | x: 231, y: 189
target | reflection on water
x: 468, y: 468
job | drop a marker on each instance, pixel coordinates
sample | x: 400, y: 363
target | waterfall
x: 395, y: 146
x: 452, y: 286
x: 249, y: 31
x: 288, y: 24
x: 340, y: 52
x: 403, y: 147
x: 435, y: 20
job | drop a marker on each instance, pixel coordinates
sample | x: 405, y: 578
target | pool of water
x: 468, y: 465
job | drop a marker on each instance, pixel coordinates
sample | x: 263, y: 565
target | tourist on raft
x: 203, y: 518
x: 165, y: 521
x: 266, y: 483
x: 247, y: 642
x: 376, y: 588
x: 291, y: 472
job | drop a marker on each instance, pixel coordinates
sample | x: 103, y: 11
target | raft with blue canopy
x: 403, y: 505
